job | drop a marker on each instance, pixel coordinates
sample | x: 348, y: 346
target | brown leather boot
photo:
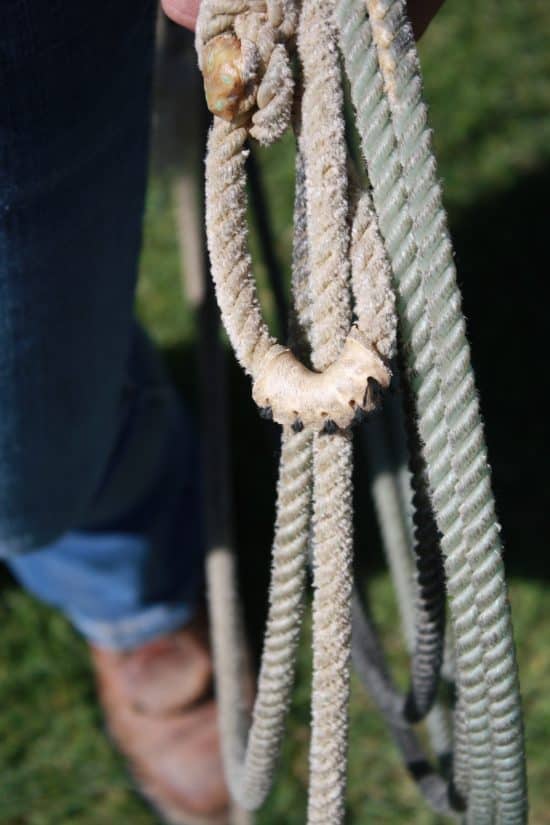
x: 160, y: 712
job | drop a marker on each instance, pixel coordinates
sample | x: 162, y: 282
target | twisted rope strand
x: 370, y: 664
x: 250, y: 765
x: 322, y: 145
x: 336, y: 254
x: 397, y: 541
x: 430, y: 604
x: 380, y: 150
x: 371, y: 280
x: 332, y: 584
x: 230, y: 261
x: 400, y: 69
x: 250, y: 760
x: 375, y: 306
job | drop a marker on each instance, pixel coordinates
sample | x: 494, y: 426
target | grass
x: 487, y: 69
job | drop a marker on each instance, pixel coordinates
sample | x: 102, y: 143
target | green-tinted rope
x: 432, y: 325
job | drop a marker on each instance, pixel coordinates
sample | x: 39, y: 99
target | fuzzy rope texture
x: 250, y: 752
x: 449, y: 420
x: 326, y: 280
x: 322, y: 146
x: 393, y: 37
x: 386, y: 256
x: 288, y: 391
x: 379, y: 146
x: 425, y: 623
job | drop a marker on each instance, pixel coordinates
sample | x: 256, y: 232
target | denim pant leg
x: 98, y: 475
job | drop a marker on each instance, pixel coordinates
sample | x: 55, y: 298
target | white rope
x: 250, y: 757
x: 322, y: 146
x: 349, y: 259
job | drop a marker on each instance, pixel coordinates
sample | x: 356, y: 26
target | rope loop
x: 329, y: 400
x: 244, y: 49
x: 244, y: 54
x: 366, y: 258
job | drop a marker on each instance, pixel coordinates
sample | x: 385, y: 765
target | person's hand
x: 184, y: 12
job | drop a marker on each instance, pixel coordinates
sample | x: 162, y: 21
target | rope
x: 371, y: 275
x: 388, y: 471
x: 292, y: 393
x: 430, y: 599
x: 322, y: 145
x: 371, y: 668
x: 393, y: 38
x: 469, y: 584
x: 250, y: 760
x: 376, y: 310
x: 362, y: 262
x: 379, y: 146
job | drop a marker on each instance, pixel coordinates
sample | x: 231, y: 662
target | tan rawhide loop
x: 296, y: 396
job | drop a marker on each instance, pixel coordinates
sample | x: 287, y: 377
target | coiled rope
x: 351, y: 251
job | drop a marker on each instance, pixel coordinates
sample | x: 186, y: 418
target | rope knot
x: 324, y: 401
x: 243, y: 50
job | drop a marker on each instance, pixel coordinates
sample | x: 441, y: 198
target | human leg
x: 98, y: 479
x: 96, y: 459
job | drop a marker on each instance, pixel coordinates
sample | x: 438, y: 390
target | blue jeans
x: 98, y: 461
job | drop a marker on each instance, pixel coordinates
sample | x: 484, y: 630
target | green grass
x: 487, y: 69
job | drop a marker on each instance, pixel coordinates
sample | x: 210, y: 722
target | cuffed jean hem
x: 133, y: 631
